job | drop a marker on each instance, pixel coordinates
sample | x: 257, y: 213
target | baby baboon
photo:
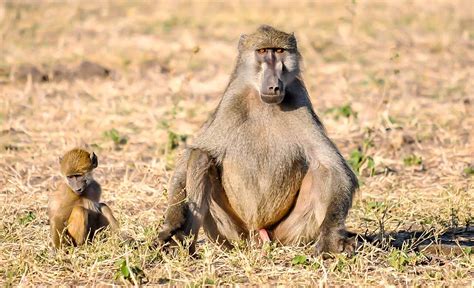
x: 262, y: 164
x: 74, y: 208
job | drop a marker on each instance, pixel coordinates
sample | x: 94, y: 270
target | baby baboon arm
x: 57, y: 231
x: 77, y: 225
x: 109, y: 217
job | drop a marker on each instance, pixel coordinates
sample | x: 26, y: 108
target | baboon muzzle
x: 272, y: 90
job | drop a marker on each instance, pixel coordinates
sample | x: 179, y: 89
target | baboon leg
x: 221, y: 224
x: 107, y: 217
x: 319, y: 213
x: 302, y: 223
x: 77, y: 225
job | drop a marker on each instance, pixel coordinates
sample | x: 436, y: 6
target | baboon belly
x: 262, y: 197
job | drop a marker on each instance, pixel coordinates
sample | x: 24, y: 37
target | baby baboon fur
x: 75, y: 210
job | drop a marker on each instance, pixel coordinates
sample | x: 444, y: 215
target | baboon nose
x: 273, y: 89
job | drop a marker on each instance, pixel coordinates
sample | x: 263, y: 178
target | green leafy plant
x: 174, y: 139
x: 398, y: 260
x: 360, y: 162
x: 345, y: 111
x: 27, y: 218
x: 469, y: 171
x: 133, y: 274
x: 115, y: 136
x: 468, y: 250
x: 342, y: 263
x: 376, y: 205
x: 299, y: 260
x: 412, y: 160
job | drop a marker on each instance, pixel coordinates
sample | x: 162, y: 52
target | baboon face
x: 78, y: 182
x: 274, y: 54
x: 77, y: 166
x: 272, y: 89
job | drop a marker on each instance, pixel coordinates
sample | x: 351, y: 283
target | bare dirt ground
x: 392, y: 81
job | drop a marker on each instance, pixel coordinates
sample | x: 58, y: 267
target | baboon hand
x: 169, y: 237
x: 335, y: 244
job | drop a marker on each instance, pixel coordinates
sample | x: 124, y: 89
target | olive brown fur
x: 263, y: 160
x: 75, y: 211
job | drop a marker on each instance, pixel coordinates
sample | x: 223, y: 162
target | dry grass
x: 394, y: 79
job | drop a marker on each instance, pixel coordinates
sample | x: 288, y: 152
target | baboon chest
x: 261, y: 176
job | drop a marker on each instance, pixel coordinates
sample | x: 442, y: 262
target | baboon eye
x: 74, y: 176
x: 280, y: 50
x: 262, y: 50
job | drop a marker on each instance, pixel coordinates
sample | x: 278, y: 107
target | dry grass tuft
x: 392, y: 81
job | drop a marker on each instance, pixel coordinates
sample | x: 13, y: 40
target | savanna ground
x: 392, y: 81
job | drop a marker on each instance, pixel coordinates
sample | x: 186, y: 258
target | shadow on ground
x: 454, y: 241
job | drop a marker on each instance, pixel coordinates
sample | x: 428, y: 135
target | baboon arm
x: 109, y: 217
x: 175, y: 215
x: 332, y: 187
x: 201, y: 177
x: 199, y: 185
x: 57, y: 230
x: 77, y: 225
x: 199, y: 173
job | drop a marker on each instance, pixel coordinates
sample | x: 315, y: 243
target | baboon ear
x: 293, y: 39
x: 94, y: 161
x: 242, y: 40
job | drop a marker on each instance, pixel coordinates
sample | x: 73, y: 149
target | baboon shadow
x: 453, y: 241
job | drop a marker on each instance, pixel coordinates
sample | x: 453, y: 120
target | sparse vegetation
x: 299, y: 260
x: 115, y: 136
x: 469, y: 171
x: 360, y: 162
x: 342, y: 111
x: 412, y: 160
x: 359, y: 159
x: 402, y: 68
x: 133, y: 274
x: 27, y: 218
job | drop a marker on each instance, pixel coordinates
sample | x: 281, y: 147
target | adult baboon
x: 262, y: 163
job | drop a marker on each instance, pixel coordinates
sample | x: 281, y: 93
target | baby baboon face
x: 77, y: 166
x: 78, y: 182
